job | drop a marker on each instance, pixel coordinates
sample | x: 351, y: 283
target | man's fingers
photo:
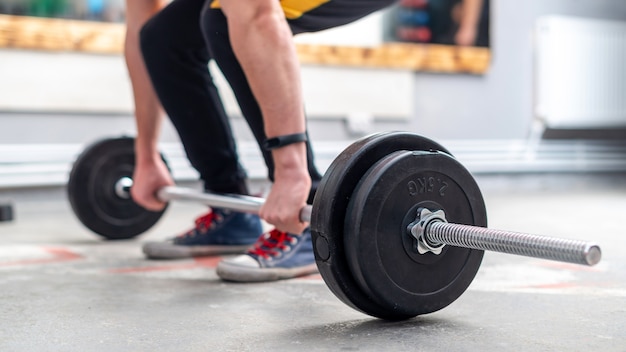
x: 149, y: 202
x: 284, y: 220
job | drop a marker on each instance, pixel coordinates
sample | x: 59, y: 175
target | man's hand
x: 150, y: 176
x: 292, y: 184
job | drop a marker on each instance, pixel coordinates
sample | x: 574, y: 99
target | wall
x: 471, y: 115
x: 498, y: 105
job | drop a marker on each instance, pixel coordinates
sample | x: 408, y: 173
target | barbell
x: 398, y: 224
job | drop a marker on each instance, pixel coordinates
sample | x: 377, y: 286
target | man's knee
x: 153, y: 39
x: 214, y: 27
x: 149, y: 37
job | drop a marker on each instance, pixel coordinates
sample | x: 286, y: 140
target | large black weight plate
x: 91, y: 191
x: 381, y: 253
x: 329, y: 211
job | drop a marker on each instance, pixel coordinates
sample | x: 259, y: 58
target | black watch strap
x: 281, y: 141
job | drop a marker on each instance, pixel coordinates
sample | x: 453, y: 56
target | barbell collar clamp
x: 418, y: 229
x: 430, y: 229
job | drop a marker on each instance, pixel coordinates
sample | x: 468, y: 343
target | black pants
x: 177, y: 45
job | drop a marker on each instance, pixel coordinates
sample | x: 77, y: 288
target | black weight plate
x: 387, y: 266
x: 91, y: 191
x: 329, y: 211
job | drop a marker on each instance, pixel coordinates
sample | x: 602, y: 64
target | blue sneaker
x: 217, y: 232
x: 276, y: 255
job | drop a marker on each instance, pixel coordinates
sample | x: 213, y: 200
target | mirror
x: 448, y: 22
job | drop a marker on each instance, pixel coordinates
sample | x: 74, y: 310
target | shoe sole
x: 239, y: 273
x: 158, y: 250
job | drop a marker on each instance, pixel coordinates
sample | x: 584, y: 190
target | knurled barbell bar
x: 431, y: 229
x: 398, y: 224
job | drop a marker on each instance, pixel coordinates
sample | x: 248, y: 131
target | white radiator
x: 580, y: 73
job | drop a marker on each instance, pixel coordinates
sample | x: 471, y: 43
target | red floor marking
x: 558, y: 285
x: 58, y: 255
x: 311, y: 277
x: 568, y: 266
x: 206, y: 262
x: 209, y: 262
x: 567, y: 285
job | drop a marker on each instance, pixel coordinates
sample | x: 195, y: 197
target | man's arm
x: 263, y: 44
x: 150, y: 171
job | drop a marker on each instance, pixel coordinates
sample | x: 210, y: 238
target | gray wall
x: 464, y: 112
x: 498, y: 105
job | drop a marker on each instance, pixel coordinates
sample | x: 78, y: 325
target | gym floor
x: 64, y: 289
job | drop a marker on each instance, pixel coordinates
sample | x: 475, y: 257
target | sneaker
x: 217, y: 232
x: 276, y: 255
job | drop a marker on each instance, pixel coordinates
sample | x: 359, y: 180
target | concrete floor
x: 64, y: 289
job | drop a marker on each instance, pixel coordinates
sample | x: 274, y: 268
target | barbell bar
x: 431, y: 231
x: 398, y: 225
x: 246, y: 204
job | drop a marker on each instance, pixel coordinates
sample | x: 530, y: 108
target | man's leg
x: 177, y: 61
x: 276, y: 255
x: 176, y: 58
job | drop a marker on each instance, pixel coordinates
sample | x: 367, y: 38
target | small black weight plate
x: 329, y: 211
x: 387, y: 266
x: 92, y: 195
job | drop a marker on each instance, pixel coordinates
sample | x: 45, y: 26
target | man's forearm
x: 264, y: 47
x: 148, y: 115
x: 263, y: 44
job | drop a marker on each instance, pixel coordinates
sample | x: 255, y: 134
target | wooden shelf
x: 415, y: 57
x: 34, y: 33
x: 61, y: 35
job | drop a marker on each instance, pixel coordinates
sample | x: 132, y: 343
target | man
x: 251, y: 42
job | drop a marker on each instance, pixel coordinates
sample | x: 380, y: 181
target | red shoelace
x: 270, y: 244
x: 202, y: 223
x: 205, y: 221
